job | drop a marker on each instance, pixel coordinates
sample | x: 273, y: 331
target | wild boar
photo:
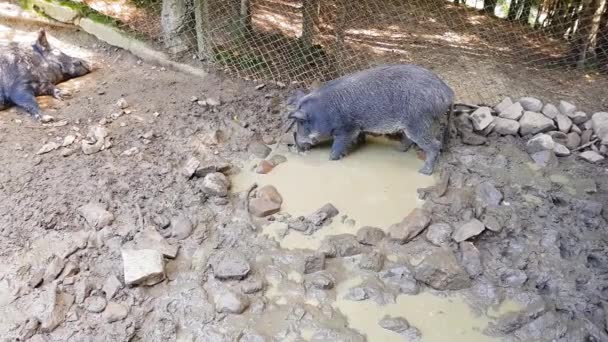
x: 398, y: 99
x: 27, y: 71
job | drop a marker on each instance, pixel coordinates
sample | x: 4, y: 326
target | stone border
x: 113, y: 36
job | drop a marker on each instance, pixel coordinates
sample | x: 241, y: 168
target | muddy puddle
x: 376, y: 185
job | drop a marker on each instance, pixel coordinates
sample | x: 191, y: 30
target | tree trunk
x: 310, y: 20
x: 586, y: 42
x: 201, y: 18
x: 175, y: 24
x: 339, y: 29
x: 602, y: 42
x: 245, y: 17
x: 524, y: 16
x: 489, y: 6
x: 514, y: 9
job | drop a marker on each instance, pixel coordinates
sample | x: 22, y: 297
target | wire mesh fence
x: 305, y: 40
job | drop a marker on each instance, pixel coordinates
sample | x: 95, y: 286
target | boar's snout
x: 300, y: 145
x: 79, y: 68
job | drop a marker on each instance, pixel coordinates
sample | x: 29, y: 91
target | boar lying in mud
x: 34, y: 70
x: 403, y: 99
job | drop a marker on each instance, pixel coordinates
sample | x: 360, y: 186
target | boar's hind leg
x: 26, y: 100
x: 405, y: 143
x: 342, y: 142
x: 431, y: 147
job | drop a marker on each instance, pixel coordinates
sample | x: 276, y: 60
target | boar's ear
x: 298, y: 115
x: 42, y: 44
x: 295, y: 97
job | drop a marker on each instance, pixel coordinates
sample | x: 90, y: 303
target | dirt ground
x: 63, y: 278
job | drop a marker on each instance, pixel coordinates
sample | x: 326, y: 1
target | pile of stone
x: 552, y: 131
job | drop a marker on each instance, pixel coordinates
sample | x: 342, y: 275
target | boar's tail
x: 447, y: 130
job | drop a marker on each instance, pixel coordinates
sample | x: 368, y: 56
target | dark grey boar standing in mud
x: 387, y: 100
x: 34, y: 70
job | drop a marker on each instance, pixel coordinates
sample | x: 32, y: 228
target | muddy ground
x: 67, y: 217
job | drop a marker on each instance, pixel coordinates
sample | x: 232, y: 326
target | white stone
x: 533, y: 123
x: 513, y: 112
x: 482, y: 118
x: 144, y: 266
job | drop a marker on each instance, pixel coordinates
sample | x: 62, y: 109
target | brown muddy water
x: 376, y: 185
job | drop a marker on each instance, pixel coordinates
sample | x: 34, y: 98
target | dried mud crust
x: 550, y: 251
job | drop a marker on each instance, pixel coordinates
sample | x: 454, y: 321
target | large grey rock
x: 402, y: 327
x: 578, y: 117
x: 95, y: 304
x: 323, y: 214
x: 533, y: 123
x: 599, y: 123
x: 439, y: 234
x: 471, y: 259
x: 144, y: 266
x: 190, y: 167
x: 115, y: 312
x: 563, y: 123
x: 57, y: 305
x: 372, y: 261
x: 412, y: 225
x: 506, y: 126
x: 342, y: 245
x: 545, y: 159
x: 229, y: 264
x: 151, y: 239
x: 531, y: 104
x: 267, y: 202
x: 482, y: 118
x: 566, y: 108
x: 512, y: 112
x: 181, y: 227
x: 402, y: 279
x: 441, y: 271
x: 561, y: 150
x: 216, y: 184
x: 230, y: 302
x: 550, y: 111
x: 591, y: 156
x: 259, y: 150
x: 558, y: 137
x: 468, y: 230
x: 314, y: 263
x: 487, y: 194
x: 504, y: 104
x: 573, y: 140
x: 96, y: 215
x: 370, y: 235
x: 540, y: 142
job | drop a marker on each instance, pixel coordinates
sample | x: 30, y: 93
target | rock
x: 229, y: 265
x: 515, y: 320
x: 468, y: 230
x: 97, y: 140
x: 561, y: 150
x: 563, y: 123
x: 95, y: 215
x: 151, y: 239
x: 130, y: 152
x: 95, y: 304
x: 540, y: 142
x: 488, y: 195
x: 48, y: 147
x: 566, y: 108
x: 258, y: 149
x: 591, y: 156
x: 216, y: 184
x: 558, y: 137
x: 57, y: 309
x: 533, y: 123
x: 441, y: 271
x: 412, y: 225
x: 545, y: 159
x: 66, y: 152
x: 230, y: 302
x: 396, y: 324
x: 357, y: 294
x: 439, y: 234
x: 314, y: 263
x: 82, y: 289
x: 115, y: 312
x: 576, y: 130
x: 36, y: 278
x: 213, y: 102
x: 469, y: 138
x: 190, y: 168
x: 270, y: 193
x: 252, y: 286
x: 586, y: 136
x: 492, y: 223
x: 513, y: 112
x: 463, y: 123
x: 122, y: 103
x: 206, y: 169
x: 471, y: 259
x: 506, y: 126
x: 531, y: 104
x: 144, y: 266
x: 262, y: 207
x: 321, y: 281
x: 372, y: 261
x: 342, y: 245
x: 323, y: 214
x: 550, y: 111
x: 504, y: 104
x: 111, y: 286
x: 402, y: 279
x: 277, y: 159
x: 513, y: 278
x: 482, y: 118
x: 29, y: 329
x: 370, y: 235
x: 578, y: 117
x: 599, y: 123
x: 181, y: 227
x: 56, y: 265
x: 264, y: 167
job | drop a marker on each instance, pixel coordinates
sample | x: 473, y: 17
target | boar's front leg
x: 24, y: 98
x: 342, y: 142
